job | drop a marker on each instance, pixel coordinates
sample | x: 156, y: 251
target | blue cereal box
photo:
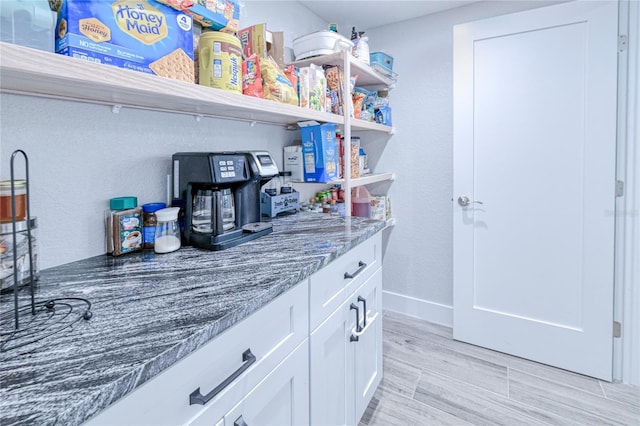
x: 140, y: 35
x: 320, y: 152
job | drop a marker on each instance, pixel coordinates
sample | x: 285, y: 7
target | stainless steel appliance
x: 221, y: 196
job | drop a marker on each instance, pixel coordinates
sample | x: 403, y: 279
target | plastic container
x: 322, y: 42
x: 167, y: 237
x: 149, y: 222
x: 20, y: 188
x: 22, y: 253
x: 28, y: 23
x: 382, y: 59
x: 220, y: 61
x: 360, y: 202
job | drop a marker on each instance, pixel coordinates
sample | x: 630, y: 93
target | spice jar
x: 149, y: 222
x: 20, y: 191
x: 167, y: 236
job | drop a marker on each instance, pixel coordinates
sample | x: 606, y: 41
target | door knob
x: 464, y: 201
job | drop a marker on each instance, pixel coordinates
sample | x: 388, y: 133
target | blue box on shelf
x: 319, y: 152
x: 381, y: 59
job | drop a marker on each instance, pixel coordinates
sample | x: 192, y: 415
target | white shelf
x: 366, y: 75
x: 364, y: 180
x: 372, y: 178
x: 390, y: 222
x: 36, y: 73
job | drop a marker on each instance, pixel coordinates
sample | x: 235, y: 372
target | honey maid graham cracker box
x: 140, y: 35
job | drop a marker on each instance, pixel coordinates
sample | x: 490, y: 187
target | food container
x: 220, y: 61
x: 381, y: 59
x: 167, y: 238
x: 22, y: 253
x: 20, y: 188
x: 123, y: 226
x: 322, y: 42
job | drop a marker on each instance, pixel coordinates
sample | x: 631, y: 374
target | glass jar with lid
x: 167, y: 236
x: 20, y: 192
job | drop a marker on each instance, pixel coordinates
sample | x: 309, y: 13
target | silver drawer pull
x: 361, y: 266
x: 196, y: 396
x: 240, y: 422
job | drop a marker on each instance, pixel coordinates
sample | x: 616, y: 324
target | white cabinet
x: 216, y: 377
x: 368, y: 348
x: 281, y: 399
x: 346, y: 347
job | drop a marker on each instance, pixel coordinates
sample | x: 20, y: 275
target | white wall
x: 80, y: 155
x: 418, y: 273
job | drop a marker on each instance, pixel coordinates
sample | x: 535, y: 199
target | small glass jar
x: 20, y: 191
x: 149, y: 222
x: 333, y: 208
x: 167, y: 237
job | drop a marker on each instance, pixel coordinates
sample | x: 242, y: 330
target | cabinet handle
x: 364, y: 302
x: 353, y: 337
x: 355, y: 334
x: 197, y: 398
x: 240, y: 422
x: 361, y: 266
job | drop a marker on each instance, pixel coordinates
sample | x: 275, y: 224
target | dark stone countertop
x: 151, y: 310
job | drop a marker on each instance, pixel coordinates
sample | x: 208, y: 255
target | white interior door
x: 534, y: 141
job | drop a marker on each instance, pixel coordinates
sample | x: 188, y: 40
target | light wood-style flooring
x: 430, y: 379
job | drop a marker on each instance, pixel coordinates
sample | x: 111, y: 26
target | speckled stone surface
x: 149, y: 311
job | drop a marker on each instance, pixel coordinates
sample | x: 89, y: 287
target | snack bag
x: 313, y: 88
x: 335, y: 91
x: 358, y: 99
x: 275, y: 85
x: 251, y: 77
x: 292, y: 75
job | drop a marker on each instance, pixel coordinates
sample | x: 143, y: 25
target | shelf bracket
x: 198, y: 117
x: 116, y: 109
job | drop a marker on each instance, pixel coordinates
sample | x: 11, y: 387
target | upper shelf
x: 366, y: 75
x: 36, y: 73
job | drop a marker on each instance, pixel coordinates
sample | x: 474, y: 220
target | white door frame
x: 626, y: 367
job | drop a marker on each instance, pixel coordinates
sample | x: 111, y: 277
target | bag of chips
x: 275, y: 84
x: 251, y: 78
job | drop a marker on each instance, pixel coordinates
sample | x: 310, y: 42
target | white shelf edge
x: 37, y: 73
x: 391, y: 222
x: 372, y: 178
x: 360, y: 181
x: 367, y: 76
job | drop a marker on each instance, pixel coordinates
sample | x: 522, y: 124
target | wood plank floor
x: 430, y: 379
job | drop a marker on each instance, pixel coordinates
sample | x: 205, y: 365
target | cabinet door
x: 331, y: 367
x: 281, y: 399
x: 368, y: 349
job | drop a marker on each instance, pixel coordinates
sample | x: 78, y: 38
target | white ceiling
x: 365, y: 14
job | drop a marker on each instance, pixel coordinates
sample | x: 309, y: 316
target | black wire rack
x: 35, y: 321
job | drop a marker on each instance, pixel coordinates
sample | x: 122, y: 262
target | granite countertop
x: 151, y: 310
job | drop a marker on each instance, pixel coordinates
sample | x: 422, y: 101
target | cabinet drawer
x: 270, y: 334
x: 329, y: 287
x: 281, y: 399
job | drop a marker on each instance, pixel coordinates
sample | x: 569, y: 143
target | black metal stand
x: 14, y: 236
x: 45, y: 318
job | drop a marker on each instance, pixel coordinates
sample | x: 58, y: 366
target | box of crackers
x: 219, y: 15
x: 140, y: 35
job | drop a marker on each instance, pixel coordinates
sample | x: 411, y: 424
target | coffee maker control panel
x: 229, y: 168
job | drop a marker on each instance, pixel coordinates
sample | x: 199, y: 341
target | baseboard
x: 423, y: 309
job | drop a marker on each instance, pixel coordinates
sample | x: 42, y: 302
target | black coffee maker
x: 221, y: 196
